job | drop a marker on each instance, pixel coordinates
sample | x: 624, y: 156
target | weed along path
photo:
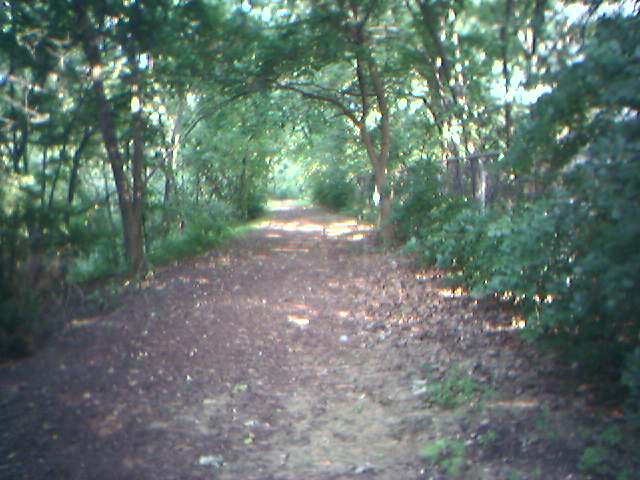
x: 299, y: 352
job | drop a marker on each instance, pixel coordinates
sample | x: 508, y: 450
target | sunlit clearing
x: 96, y: 72
x: 523, y: 403
x: 546, y: 299
x: 83, y: 322
x: 297, y: 320
x: 357, y: 236
x: 290, y: 249
x: 135, y: 104
x: 451, y: 292
x: 343, y: 313
x: 340, y: 228
x: 336, y: 229
x: 300, y: 306
x: 517, y: 323
x: 284, y: 205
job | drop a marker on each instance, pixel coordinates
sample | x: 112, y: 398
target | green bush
x: 100, y: 262
x: 454, y: 390
x: 256, y: 204
x: 202, y: 229
x: 447, y: 454
x: 332, y: 190
x: 455, y: 239
x: 568, y: 263
x: 417, y: 194
x: 19, y: 326
x: 631, y: 379
x: 567, y: 256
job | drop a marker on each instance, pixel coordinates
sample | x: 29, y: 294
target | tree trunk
x: 197, y: 192
x: 62, y: 159
x: 447, y: 90
x: 169, y: 161
x: 379, y: 157
x: 380, y: 172
x: 455, y: 175
x: 107, y: 201
x: 244, y: 204
x: 135, y: 253
x: 75, y: 165
x: 43, y: 184
x: 505, y: 34
x: 130, y: 203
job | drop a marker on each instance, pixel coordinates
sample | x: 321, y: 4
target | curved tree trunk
x: 379, y: 157
x: 130, y: 202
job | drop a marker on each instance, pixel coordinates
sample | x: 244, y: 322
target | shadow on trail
x: 293, y: 353
x: 217, y: 358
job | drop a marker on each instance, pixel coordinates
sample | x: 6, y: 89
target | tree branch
x: 346, y: 111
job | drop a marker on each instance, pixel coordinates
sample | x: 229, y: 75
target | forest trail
x: 295, y: 353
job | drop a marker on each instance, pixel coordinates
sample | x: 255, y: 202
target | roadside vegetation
x: 496, y: 141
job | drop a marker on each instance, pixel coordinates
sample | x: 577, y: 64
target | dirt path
x: 296, y: 354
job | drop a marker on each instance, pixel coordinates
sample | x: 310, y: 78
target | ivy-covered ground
x: 301, y: 351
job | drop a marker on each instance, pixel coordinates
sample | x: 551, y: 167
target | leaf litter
x: 292, y: 356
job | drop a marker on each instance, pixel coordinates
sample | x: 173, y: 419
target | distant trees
x: 333, y: 55
x: 500, y: 139
x: 563, y: 248
x: 103, y: 106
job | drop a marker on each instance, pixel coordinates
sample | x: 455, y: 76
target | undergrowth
x: 446, y: 454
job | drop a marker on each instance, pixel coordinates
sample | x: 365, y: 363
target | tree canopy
x: 497, y: 139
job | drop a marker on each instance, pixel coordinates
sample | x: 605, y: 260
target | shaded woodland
x: 496, y: 140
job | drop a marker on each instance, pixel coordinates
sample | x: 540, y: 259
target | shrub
x: 447, y: 454
x: 17, y: 328
x: 568, y: 259
x: 417, y: 194
x: 567, y: 262
x: 455, y: 239
x: 256, y: 204
x: 332, y: 190
x: 203, y: 228
x: 631, y: 379
x: 454, y: 390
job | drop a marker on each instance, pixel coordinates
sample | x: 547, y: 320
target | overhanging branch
x: 346, y: 111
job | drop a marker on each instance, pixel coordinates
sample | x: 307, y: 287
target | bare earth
x: 292, y: 354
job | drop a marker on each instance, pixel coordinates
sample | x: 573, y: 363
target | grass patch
x: 607, y: 447
x: 203, y: 231
x: 454, y: 390
x: 446, y: 454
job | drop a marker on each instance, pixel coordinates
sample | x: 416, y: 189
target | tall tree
x: 333, y: 55
x: 130, y: 198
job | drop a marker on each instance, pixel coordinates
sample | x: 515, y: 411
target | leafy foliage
x: 19, y: 326
x: 200, y: 229
x: 454, y: 390
x: 631, y: 379
x: 333, y: 192
x: 447, y: 454
x: 569, y: 259
x: 200, y: 108
x: 417, y: 193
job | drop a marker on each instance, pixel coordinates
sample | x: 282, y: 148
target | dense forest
x: 497, y: 140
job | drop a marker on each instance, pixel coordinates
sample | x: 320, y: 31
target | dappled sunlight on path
x: 318, y: 223
x: 292, y: 354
